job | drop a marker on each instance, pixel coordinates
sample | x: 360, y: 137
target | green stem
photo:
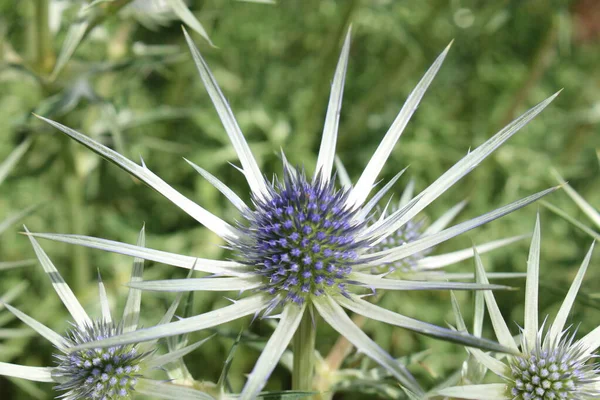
x: 304, y: 351
x: 44, y: 54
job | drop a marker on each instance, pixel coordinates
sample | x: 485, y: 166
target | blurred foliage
x: 131, y: 84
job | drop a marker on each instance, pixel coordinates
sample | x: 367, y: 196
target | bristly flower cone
x: 302, y: 239
x: 99, y: 373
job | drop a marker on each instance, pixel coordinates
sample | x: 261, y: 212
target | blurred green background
x: 131, y: 84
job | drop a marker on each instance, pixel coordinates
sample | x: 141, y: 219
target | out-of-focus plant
x: 5, y: 167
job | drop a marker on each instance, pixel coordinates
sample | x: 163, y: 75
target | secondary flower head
x: 551, y: 363
x: 562, y: 369
x: 98, y: 373
x: 304, y: 245
x: 115, y: 372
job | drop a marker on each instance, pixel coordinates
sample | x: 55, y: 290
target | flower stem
x: 304, y: 350
x: 44, y: 51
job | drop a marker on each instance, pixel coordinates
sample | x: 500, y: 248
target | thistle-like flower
x: 551, y: 363
x: 303, y: 245
x: 115, y: 372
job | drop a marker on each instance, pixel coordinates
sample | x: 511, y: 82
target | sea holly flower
x: 115, y: 372
x: 302, y: 245
x: 551, y: 364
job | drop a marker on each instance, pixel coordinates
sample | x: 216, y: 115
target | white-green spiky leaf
x: 170, y: 391
x: 206, y: 284
x: 249, y: 165
x: 561, y: 317
x: 447, y: 217
x: 591, y: 342
x: 443, y: 260
x: 426, y: 242
x: 104, y: 304
x: 57, y: 340
x: 11, y: 219
x: 269, y: 357
x: 175, y: 355
x: 372, y: 311
x: 586, y: 207
x: 177, y: 260
x: 531, y: 287
x: 221, y: 187
x: 60, y: 286
x: 379, y: 282
x: 342, y: 174
x: 74, y: 36
x: 209, y: 220
x: 16, y: 264
x: 13, y: 158
x: 183, y: 12
x: 490, y: 391
x: 571, y: 220
x: 407, y: 193
x: 36, y: 374
x: 461, y: 168
x: 363, y: 187
x: 239, y: 309
x: 335, y: 316
x: 500, y: 327
x: 364, y: 211
x: 330, y: 130
x: 131, y: 312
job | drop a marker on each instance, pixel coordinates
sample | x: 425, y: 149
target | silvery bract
x: 116, y: 372
x: 551, y: 363
x: 303, y: 244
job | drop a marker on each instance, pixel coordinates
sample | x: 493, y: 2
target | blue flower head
x: 105, y: 373
x: 303, y: 239
x: 98, y: 373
